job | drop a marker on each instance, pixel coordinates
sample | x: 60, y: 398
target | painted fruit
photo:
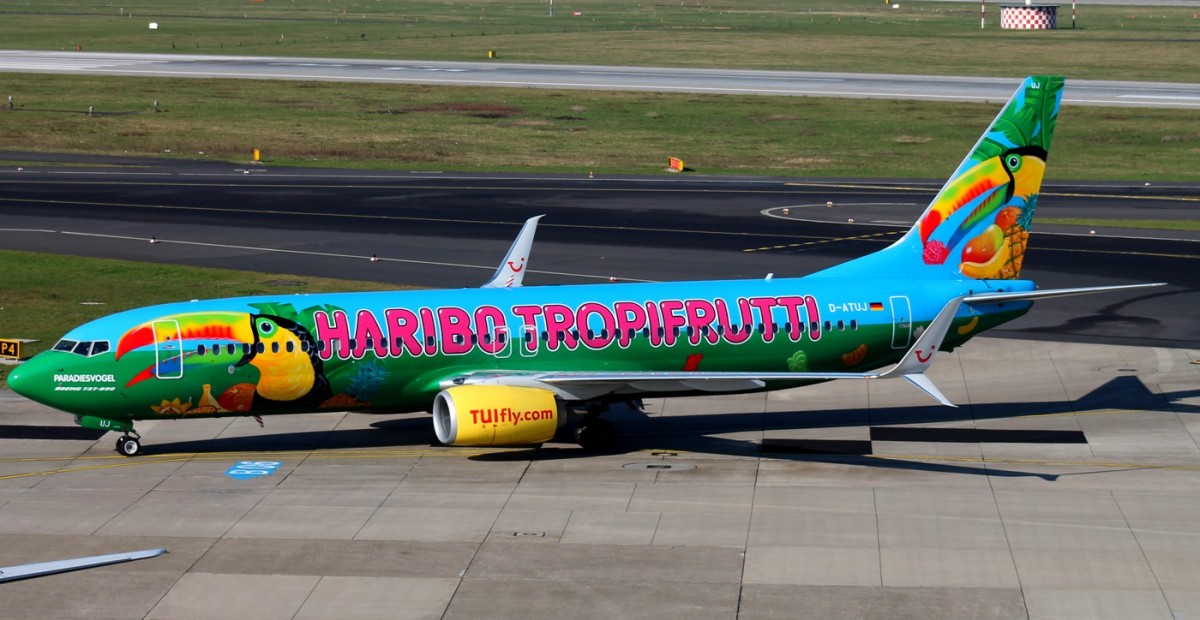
x: 237, y: 398
x: 989, y: 270
x: 981, y: 249
x: 1007, y: 217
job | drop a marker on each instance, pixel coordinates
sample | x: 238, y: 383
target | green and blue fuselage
x: 389, y: 351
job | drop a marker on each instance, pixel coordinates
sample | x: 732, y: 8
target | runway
x: 1064, y: 485
x: 588, y: 77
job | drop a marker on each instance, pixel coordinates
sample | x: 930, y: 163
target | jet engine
x: 495, y: 415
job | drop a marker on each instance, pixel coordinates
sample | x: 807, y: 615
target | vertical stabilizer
x: 978, y: 225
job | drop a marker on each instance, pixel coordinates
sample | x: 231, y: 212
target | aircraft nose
x: 29, y: 379
x: 17, y: 381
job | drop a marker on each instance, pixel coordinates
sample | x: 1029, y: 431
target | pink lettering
x: 595, y: 334
x: 402, y: 327
x: 330, y: 331
x: 735, y: 334
x: 671, y: 321
x: 429, y: 329
x: 655, y: 324
x: 631, y: 317
x: 764, y: 305
x: 492, y: 328
x: 700, y: 316
x: 454, y: 326
x: 814, y: 317
x: 559, y: 321
x: 795, y: 322
x: 528, y: 316
x: 367, y: 333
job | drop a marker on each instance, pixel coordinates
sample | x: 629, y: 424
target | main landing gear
x: 130, y: 444
x: 595, y: 434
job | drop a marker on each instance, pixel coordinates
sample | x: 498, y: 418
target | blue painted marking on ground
x: 252, y: 469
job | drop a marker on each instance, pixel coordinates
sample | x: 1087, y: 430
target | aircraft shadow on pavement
x: 638, y: 432
x: 685, y: 433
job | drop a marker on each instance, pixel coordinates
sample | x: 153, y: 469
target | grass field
x: 32, y: 309
x: 492, y: 129
x: 1111, y: 42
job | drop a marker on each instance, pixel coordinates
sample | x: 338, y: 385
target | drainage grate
x: 660, y: 466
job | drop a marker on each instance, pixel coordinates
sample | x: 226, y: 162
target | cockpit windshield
x: 86, y: 348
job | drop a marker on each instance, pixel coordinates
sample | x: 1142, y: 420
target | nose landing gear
x: 129, y: 444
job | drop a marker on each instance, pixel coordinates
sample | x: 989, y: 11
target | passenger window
x: 261, y: 347
x: 429, y: 341
x: 841, y: 326
x: 828, y: 326
x: 291, y: 347
x: 853, y: 325
x: 230, y: 349
x: 201, y: 349
x: 274, y: 347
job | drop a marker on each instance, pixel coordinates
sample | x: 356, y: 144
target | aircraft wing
x: 587, y: 385
x: 38, y: 569
x: 511, y: 271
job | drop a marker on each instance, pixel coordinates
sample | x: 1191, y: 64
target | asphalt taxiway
x: 1063, y: 486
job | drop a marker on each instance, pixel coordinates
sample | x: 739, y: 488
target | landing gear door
x: 901, y: 322
x: 168, y: 350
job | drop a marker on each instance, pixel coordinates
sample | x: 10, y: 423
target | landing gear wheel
x: 596, y: 435
x: 129, y: 446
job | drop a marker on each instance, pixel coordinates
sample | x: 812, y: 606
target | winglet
x: 920, y: 357
x: 511, y: 271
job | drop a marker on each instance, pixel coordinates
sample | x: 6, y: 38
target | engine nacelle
x: 495, y: 415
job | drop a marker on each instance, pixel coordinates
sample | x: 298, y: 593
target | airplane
x: 506, y: 364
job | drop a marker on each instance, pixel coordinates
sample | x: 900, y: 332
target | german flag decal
x: 877, y: 305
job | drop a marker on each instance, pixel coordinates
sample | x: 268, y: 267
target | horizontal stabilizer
x: 985, y: 298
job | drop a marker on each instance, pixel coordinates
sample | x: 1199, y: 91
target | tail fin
x: 978, y: 225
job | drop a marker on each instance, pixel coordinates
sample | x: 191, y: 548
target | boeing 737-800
x: 508, y: 365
